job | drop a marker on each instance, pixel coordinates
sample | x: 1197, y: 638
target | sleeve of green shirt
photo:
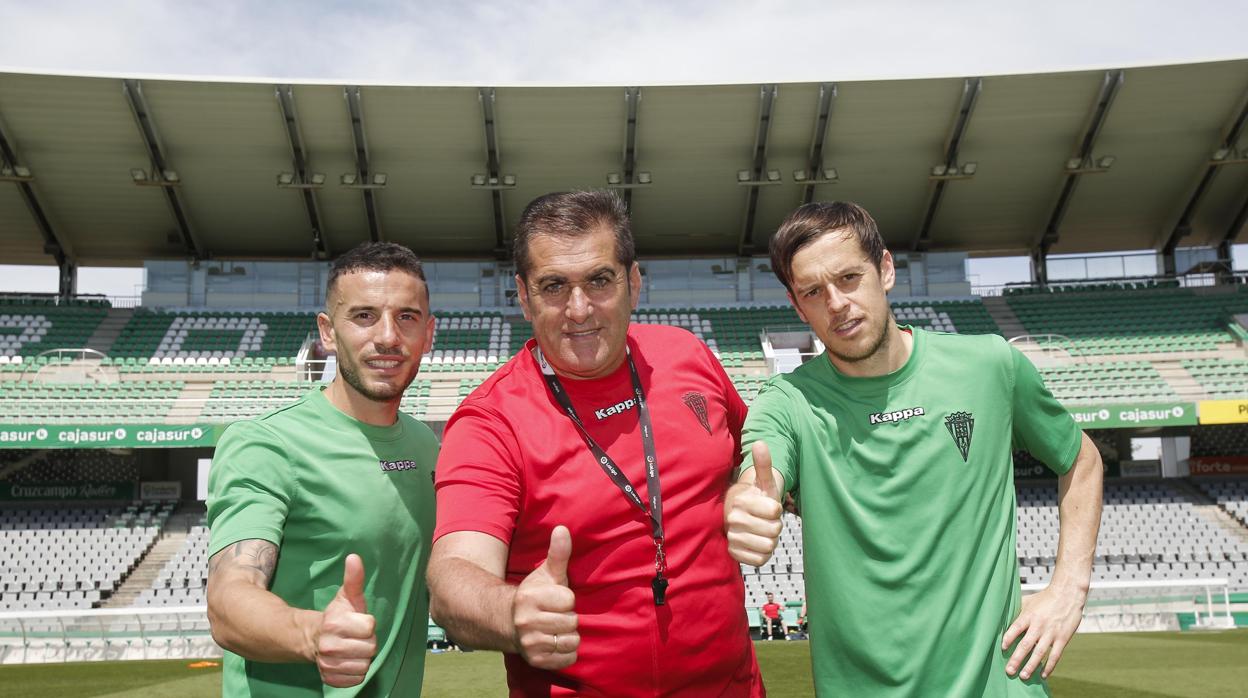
x: 1042, y: 427
x: 770, y: 421
x: 249, y: 487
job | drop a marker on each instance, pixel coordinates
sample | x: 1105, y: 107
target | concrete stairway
x: 1004, y: 316
x: 141, y: 578
x: 110, y: 329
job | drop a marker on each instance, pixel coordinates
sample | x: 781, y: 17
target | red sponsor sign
x: 1219, y: 465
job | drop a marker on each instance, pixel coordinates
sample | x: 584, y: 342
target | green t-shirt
x: 320, y: 485
x: 906, y: 487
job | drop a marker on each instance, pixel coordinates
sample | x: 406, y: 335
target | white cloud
x: 543, y: 41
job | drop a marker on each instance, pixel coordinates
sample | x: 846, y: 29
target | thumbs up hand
x: 752, y: 511
x: 544, y: 609
x: 347, y: 639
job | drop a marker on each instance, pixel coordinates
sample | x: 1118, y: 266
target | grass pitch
x: 1139, y: 665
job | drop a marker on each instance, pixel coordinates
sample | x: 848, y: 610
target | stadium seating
x: 71, y: 557
x: 87, y: 403
x: 1122, y: 319
x: 1220, y: 378
x: 1125, y: 381
x: 1231, y: 493
x: 69, y: 465
x: 1149, y: 531
x: 194, y: 335
x: 28, y: 327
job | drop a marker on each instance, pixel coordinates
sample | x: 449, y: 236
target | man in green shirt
x: 897, y: 443
x: 322, y: 511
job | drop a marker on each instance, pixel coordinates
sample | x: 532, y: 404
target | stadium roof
x: 71, y: 147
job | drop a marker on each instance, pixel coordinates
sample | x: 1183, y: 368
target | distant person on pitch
x: 898, y: 442
x: 773, y: 618
x: 580, y: 488
x: 322, y: 511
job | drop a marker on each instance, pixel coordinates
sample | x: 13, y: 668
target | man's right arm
x: 471, y: 599
x: 247, y: 618
x: 253, y: 622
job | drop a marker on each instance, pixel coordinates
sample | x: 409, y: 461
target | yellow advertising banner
x: 1223, y: 411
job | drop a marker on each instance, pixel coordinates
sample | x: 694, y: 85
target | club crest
x: 961, y: 425
x: 697, y: 403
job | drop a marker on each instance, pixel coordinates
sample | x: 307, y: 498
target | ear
x: 796, y: 307
x: 888, y: 274
x: 522, y: 294
x: 429, y: 327
x: 326, y: 328
x: 634, y: 285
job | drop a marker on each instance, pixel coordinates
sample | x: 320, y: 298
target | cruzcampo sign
x: 1153, y: 414
x: 108, y: 435
x: 40, y: 491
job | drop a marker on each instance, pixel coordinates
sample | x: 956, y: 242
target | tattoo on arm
x: 255, y: 557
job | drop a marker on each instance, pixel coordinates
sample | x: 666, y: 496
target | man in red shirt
x: 772, y: 618
x: 581, y: 487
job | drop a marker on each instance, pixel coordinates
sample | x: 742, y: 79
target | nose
x: 387, y: 332
x: 837, y: 302
x: 579, y: 308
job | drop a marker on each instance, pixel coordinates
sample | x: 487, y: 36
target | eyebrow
x: 372, y: 308
x: 546, y: 278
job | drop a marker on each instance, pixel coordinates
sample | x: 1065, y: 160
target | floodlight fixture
x: 15, y: 173
x: 969, y: 168
x: 171, y: 176
x: 478, y: 180
x: 318, y: 178
x: 773, y: 175
x: 799, y: 175
x: 380, y: 179
x: 481, y: 181
x: 613, y: 178
x: 940, y: 170
x: 743, y: 175
x: 644, y: 178
x: 1220, y: 154
x: 348, y: 179
x: 1074, y: 163
x: 138, y: 175
x: 509, y: 180
x: 1106, y: 162
x: 285, y: 179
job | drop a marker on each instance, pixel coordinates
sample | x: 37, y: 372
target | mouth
x: 582, y: 333
x: 847, y: 327
x: 384, y: 365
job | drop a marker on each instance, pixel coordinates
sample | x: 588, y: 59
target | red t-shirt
x: 514, y: 466
x: 771, y: 610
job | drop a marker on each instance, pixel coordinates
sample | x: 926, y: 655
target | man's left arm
x: 1049, y: 618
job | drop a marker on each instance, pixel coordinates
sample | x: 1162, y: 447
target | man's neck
x: 351, y: 403
x: 892, y: 354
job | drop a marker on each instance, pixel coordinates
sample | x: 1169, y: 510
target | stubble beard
x: 352, y: 377
x: 880, y: 344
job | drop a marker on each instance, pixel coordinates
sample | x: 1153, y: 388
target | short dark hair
x: 376, y: 256
x: 812, y: 221
x: 572, y: 214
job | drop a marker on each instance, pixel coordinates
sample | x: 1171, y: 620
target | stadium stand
x: 193, y: 335
x: 1220, y: 378
x: 31, y: 326
x: 57, y: 403
x: 1129, y: 318
x: 1149, y: 530
x: 1231, y: 494
x: 1123, y: 381
x: 72, y: 557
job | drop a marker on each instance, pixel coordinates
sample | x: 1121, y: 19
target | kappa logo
x: 389, y: 466
x: 897, y: 415
x: 617, y: 408
x: 961, y: 425
x: 697, y: 403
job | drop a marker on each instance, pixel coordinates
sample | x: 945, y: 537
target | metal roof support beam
x: 971, y: 87
x: 493, y: 168
x: 632, y: 97
x: 53, y: 243
x: 133, y: 91
x: 766, y: 101
x: 823, y: 112
x: 67, y: 279
x: 1110, y: 85
x: 362, y: 164
x: 1230, y: 137
x: 290, y: 119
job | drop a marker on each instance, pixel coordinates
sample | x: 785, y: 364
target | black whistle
x: 659, y: 586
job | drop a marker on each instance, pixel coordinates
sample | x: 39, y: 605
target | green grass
x: 1139, y: 665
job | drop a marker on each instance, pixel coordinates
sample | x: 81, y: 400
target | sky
x: 594, y: 42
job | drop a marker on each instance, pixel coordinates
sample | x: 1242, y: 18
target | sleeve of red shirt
x: 733, y: 403
x: 479, y: 475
